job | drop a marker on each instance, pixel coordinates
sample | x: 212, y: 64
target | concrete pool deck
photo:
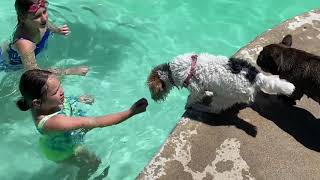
x: 267, y: 140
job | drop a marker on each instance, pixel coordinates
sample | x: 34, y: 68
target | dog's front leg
x: 192, y: 99
x: 201, y: 108
x: 195, y: 102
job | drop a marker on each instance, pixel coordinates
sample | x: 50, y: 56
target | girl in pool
x: 30, y: 37
x: 54, y: 116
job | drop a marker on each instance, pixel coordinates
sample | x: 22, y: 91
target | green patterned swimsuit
x: 58, y: 146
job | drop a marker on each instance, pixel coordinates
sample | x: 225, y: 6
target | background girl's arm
x: 86, y: 99
x: 26, y: 50
x: 65, y: 123
x: 79, y: 70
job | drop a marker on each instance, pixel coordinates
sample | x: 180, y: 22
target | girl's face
x: 54, y: 96
x: 37, y: 20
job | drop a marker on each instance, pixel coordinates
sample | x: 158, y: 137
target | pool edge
x: 193, y: 149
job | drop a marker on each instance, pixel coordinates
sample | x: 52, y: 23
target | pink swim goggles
x: 36, y: 6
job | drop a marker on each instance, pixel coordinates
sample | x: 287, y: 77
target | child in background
x: 54, y: 118
x: 30, y: 37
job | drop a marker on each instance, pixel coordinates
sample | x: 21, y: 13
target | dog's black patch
x: 237, y: 65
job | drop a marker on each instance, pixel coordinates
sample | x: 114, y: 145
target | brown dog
x: 298, y: 67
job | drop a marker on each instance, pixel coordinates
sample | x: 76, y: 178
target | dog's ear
x: 287, y: 40
x: 154, y: 82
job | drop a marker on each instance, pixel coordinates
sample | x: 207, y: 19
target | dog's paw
x: 253, y: 132
x: 289, y: 89
x: 208, y: 93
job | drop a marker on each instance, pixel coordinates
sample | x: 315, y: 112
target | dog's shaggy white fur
x: 226, y: 83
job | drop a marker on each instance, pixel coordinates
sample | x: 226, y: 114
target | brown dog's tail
x: 273, y: 84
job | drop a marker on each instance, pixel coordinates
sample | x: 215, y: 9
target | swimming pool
x: 121, y: 41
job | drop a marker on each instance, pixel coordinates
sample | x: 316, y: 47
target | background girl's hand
x: 64, y: 30
x: 87, y: 99
x: 139, y: 106
x: 81, y: 70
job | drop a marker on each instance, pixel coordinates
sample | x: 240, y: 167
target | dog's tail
x: 273, y: 84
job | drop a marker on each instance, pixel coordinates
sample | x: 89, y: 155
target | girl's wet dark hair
x: 22, y: 7
x: 32, y: 86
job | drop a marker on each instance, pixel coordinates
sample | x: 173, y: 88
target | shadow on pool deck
x: 296, y: 121
x: 228, y: 118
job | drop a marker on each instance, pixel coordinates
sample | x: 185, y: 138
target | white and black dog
x: 215, y: 83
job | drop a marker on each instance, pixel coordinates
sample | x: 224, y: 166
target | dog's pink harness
x: 192, y: 70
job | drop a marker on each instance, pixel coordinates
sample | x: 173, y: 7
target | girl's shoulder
x: 22, y: 42
x: 41, y: 121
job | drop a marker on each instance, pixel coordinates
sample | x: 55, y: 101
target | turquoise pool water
x: 121, y: 40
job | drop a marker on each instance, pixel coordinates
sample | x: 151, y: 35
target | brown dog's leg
x: 291, y: 100
x: 287, y: 100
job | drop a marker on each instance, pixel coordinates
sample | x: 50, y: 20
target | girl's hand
x: 81, y: 70
x: 64, y: 30
x: 87, y: 99
x: 139, y: 106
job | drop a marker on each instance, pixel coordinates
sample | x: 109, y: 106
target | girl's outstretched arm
x: 66, y: 123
